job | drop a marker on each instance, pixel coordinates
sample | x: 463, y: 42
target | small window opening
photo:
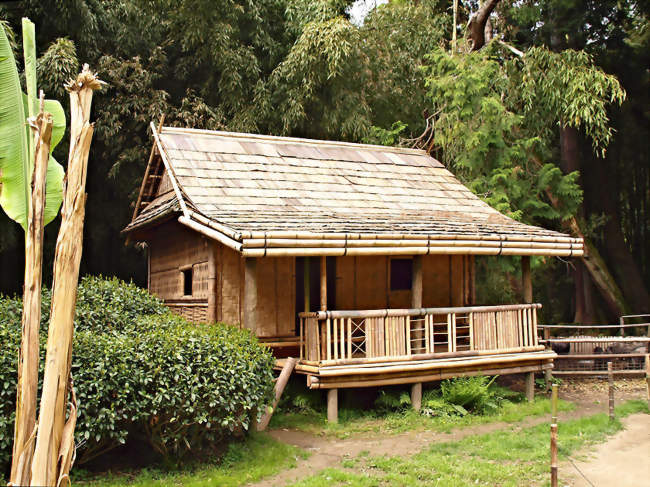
x: 401, y: 274
x: 187, y: 282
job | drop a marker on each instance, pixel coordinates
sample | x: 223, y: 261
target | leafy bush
x: 395, y: 400
x: 472, y: 393
x: 152, y: 377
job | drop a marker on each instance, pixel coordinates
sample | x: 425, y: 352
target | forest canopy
x: 540, y: 107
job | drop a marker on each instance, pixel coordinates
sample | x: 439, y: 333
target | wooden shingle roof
x: 268, y: 195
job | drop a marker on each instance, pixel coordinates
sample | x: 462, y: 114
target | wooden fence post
x: 554, y: 400
x: 416, y: 396
x: 647, y: 377
x: 554, y: 455
x: 610, y: 378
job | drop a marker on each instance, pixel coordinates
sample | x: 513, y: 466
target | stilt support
x: 281, y: 383
x: 333, y: 406
x: 530, y: 386
x: 416, y: 396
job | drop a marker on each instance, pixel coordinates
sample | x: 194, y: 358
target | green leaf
x: 58, y: 121
x: 14, y: 175
x: 16, y: 164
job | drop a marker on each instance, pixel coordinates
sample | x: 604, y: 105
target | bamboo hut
x: 358, y: 259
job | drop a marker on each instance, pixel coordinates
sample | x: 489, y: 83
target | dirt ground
x: 624, y: 460
x: 590, y: 396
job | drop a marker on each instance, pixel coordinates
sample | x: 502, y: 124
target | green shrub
x: 154, y: 377
x: 472, y: 393
x: 392, y: 400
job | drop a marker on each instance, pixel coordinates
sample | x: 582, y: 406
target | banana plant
x: 16, y: 141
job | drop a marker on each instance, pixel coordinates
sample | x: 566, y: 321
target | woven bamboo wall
x: 173, y: 248
x: 363, y: 282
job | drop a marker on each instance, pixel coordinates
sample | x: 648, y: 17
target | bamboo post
x: 530, y: 386
x: 333, y: 406
x: 554, y: 455
x: 527, y: 284
x: 647, y: 377
x: 250, y: 294
x: 554, y: 401
x: 416, y: 396
x: 28, y: 358
x: 55, y: 441
x: 621, y: 322
x: 416, y: 302
x: 610, y: 379
x: 212, y: 281
x: 323, y: 283
x: 306, y: 284
x: 281, y: 383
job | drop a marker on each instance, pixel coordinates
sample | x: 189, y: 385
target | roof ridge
x: 293, y: 140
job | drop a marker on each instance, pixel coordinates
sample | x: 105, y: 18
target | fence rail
x: 344, y: 336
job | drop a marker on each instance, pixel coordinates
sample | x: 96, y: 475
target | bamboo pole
x: 530, y: 386
x: 408, y: 378
x: 453, y: 31
x: 647, y: 377
x: 554, y: 401
x: 424, y: 250
x: 28, y: 358
x: 55, y: 441
x: 610, y: 382
x: 554, y: 455
x: 432, y: 364
x: 281, y: 383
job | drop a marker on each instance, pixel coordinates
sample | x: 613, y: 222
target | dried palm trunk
x: 55, y: 440
x: 27, y: 388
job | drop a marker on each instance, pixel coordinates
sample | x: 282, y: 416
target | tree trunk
x: 477, y: 23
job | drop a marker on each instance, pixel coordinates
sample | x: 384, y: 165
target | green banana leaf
x: 16, y: 165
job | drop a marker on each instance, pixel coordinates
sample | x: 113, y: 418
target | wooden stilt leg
x: 416, y: 396
x: 548, y: 378
x: 530, y: 386
x: 333, y: 406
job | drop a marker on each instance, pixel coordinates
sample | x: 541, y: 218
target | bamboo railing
x: 338, y: 337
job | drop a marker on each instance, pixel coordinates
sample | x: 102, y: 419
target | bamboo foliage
x: 54, y: 451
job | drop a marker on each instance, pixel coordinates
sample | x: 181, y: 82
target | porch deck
x: 343, y: 349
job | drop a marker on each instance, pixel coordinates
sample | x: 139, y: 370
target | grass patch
x: 505, y: 458
x: 356, y: 421
x: 258, y: 457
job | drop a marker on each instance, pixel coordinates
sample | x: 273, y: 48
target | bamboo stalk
x: 52, y: 457
x: 279, y: 389
x: 28, y: 358
x: 610, y: 381
x: 554, y: 455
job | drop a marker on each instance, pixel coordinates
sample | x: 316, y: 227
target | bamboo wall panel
x: 276, y: 296
x: 229, y: 300
x: 172, y: 249
x: 435, y: 281
x: 345, y: 283
x: 371, y: 282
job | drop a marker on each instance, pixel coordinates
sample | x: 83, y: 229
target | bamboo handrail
x: 380, y: 313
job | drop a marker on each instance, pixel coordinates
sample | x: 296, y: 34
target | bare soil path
x: 590, y: 398
x: 623, y: 461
